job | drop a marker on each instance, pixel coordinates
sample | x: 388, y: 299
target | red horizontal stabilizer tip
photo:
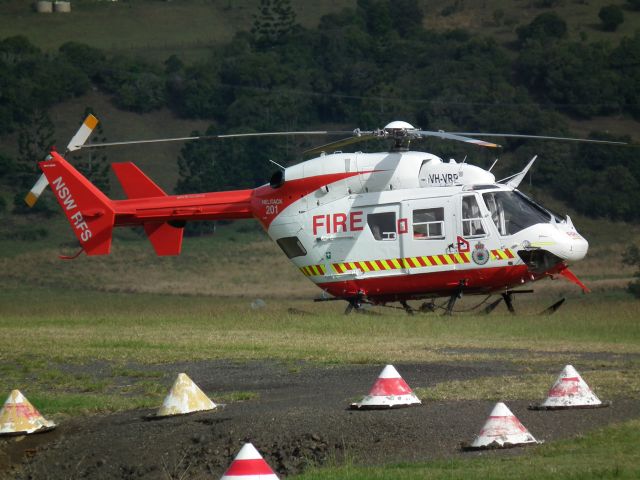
x: 89, y: 211
x: 134, y: 182
x: 569, y: 275
x: 166, y: 240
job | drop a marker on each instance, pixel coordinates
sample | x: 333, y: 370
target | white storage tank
x: 62, y: 7
x: 44, y: 7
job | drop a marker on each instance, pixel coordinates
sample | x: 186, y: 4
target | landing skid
x: 553, y: 308
x: 357, y: 304
x: 508, y: 300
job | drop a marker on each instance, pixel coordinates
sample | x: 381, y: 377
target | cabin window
x: 382, y: 225
x: 428, y: 224
x: 291, y: 246
x: 471, y: 218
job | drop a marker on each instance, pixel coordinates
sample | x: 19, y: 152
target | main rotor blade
x: 460, y: 137
x: 539, y: 137
x: 363, y: 137
x: 216, y: 137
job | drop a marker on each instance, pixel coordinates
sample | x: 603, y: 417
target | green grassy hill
x: 188, y: 27
x: 152, y: 28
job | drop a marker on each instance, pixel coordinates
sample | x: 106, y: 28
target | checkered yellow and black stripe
x: 399, y: 263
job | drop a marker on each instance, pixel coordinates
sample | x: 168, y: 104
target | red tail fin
x: 89, y: 211
x: 165, y: 238
x: 134, y: 182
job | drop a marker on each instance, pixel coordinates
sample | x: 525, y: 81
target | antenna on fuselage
x: 277, y: 165
x: 493, y: 164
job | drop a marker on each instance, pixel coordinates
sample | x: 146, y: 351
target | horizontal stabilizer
x: 165, y: 238
x: 89, y: 211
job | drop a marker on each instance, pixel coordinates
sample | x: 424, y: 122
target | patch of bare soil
x: 299, y: 419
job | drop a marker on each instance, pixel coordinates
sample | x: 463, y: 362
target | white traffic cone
x: 249, y: 465
x: 389, y: 391
x: 19, y: 417
x: 502, y: 430
x: 184, y: 397
x: 570, y: 391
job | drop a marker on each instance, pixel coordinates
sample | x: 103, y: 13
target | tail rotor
x: 76, y: 142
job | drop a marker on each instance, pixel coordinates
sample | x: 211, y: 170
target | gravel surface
x: 300, y: 418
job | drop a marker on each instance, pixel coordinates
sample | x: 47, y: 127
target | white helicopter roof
x: 394, y: 170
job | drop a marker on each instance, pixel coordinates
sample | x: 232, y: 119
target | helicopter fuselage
x: 405, y: 225
x: 377, y: 226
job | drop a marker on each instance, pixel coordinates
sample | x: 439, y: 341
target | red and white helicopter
x: 368, y: 228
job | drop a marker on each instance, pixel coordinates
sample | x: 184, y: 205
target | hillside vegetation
x: 153, y: 69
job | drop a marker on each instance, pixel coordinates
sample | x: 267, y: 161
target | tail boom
x: 231, y: 205
x: 93, y: 215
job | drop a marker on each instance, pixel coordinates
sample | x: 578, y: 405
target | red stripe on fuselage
x: 264, y: 203
x: 268, y: 202
x: 405, y: 286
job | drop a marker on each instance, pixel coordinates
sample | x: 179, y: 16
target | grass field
x: 49, y: 334
x: 92, y: 335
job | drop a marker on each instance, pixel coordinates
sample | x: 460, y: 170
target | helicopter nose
x: 570, y: 245
x: 579, y: 248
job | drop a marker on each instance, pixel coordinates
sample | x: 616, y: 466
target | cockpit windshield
x: 511, y: 211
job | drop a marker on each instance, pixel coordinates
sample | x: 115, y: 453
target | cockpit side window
x: 497, y: 212
x: 428, y: 224
x: 512, y: 211
x: 471, y: 218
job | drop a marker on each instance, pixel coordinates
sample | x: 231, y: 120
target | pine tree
x: 274, y: 22
x: 35, y: 139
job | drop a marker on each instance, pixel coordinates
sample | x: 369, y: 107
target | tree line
x: 361, y: 67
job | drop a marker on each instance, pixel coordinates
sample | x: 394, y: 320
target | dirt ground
x: 299, y: 418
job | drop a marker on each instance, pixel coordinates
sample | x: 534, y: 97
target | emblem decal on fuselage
x: 480, y: 254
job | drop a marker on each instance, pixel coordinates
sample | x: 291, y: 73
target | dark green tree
x: 611, y: 17
x: 274, y: 21
x: 576, y: 77
x: 88, y: 59
x: 545, y: 28
x: 625, y: 59
x: 35, y: 139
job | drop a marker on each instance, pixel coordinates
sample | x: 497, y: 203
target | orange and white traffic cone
x: 184, y: 397
x: 19, y: 417
x: 501, y: 430
x: 570, y: 391
x: 249, y: 465
x: 389, y: 391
